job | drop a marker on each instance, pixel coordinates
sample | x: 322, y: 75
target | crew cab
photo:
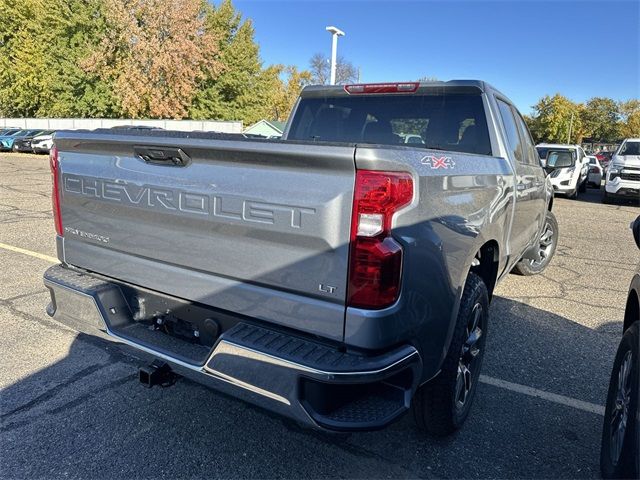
x: 623, y: 175
x: 568, y: 167
x: 338, y: 276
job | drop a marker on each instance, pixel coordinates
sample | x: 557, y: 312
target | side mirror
x: 635, y: 227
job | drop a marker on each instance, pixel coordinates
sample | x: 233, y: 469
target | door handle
x: 168, y: 156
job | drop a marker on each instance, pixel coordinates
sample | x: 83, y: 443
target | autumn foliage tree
x: 630, y: 118
x: 156, y: 53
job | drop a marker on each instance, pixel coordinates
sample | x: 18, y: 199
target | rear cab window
x: 443, y: 121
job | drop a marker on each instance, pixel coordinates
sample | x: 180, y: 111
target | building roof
x: 274, y: 124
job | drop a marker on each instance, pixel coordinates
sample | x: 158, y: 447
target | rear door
x: 255, y: 227
x: 531, y: 161
x: 529, y: 183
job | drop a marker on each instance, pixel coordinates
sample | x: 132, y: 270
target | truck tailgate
x: 258, y: 228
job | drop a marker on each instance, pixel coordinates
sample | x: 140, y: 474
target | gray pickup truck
x: 339, y: 276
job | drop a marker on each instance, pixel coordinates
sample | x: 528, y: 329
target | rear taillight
x: 408, y: 87
x: 55, y: 189
x: 375, y: 261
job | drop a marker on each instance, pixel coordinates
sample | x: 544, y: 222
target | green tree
x: 40, y: 54
x: 237, y: 93
x: 601, y: 118
x: 630, y: 119
x: 555, y: 117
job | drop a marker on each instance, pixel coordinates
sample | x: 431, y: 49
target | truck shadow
x: 86, y: 416
x: 594, y: 195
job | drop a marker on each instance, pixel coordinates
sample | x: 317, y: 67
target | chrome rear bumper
x: 290, y: 375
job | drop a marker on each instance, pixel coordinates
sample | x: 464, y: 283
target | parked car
x: 604, y: 158
x: 8, y: 131
x: 595, y: 172
x: 22, y: 140
x: 7, y: 139
x: 623, y: 175
x: 413, y: 139
x: 620, y: 450
x: 567, y: 166
x: 42, y: 142
x: 338, y: 276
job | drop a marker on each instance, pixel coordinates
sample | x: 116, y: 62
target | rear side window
x: 511, y: 130
x: 453, y: 122
x: 529, y: 150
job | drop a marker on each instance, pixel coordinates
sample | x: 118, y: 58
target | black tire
x: 626, y: 463
x: 583, y: 186
x: 548, y: 246
x: 441, y: 405
x: 573, y: 195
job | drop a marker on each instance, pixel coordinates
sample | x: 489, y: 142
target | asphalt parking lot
x: 71, y: 406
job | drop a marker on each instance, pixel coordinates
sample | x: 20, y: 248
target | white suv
x: 567, y: 166
x: 623, y: 174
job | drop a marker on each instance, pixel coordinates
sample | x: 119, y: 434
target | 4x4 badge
x: 437, y: 162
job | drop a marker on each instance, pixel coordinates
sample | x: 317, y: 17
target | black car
x: 22, y: 143
x: 620, y: 451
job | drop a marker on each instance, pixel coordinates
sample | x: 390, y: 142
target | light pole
x: 335, y: 33
x: 570, y: 128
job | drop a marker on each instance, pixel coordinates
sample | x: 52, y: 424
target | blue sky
x: 526, y: 49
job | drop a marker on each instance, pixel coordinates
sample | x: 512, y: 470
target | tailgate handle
x: 169, y: 156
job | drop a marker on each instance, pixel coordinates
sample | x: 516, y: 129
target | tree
x: 284, y: 86
x: 236, y: 93
x: 629, y: 119
x: 320, y: 68
x: 156, y: 53
x: 555, y: 117
x: 600, y: 118
x: 39, y: 81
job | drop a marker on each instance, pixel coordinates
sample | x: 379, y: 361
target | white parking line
x: 551, y: 397
x: 41, y: 256
x: 496, y: 382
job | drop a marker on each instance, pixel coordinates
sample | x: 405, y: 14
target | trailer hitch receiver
x: 158, y: 373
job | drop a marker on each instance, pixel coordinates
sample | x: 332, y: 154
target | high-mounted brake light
x: 376, y: 258
x: 55, y: 189
x: 408, y: 87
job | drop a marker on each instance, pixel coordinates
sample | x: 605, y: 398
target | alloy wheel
x: 621, y: 409
x: 467, y: 364
x: 545, y: 245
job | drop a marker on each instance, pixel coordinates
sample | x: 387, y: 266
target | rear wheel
x: 619, y: 450
x: 547, y: 243
x: 441, y: 406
